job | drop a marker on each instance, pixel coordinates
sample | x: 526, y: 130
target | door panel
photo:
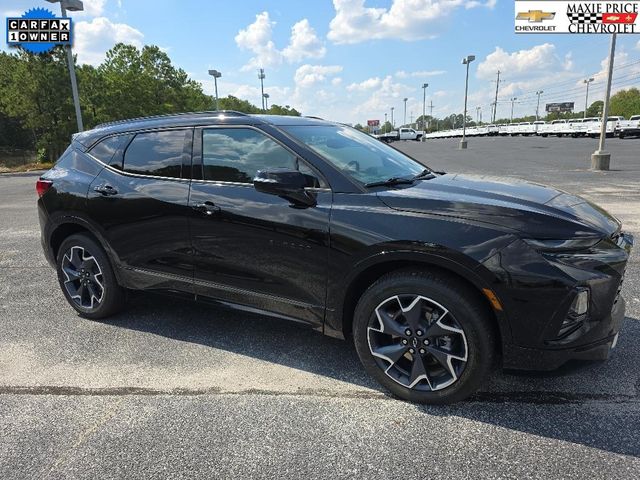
x: 144, y: 218
x: 258, y: 250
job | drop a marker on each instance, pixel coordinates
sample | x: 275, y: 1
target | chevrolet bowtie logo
x: 535, y: 16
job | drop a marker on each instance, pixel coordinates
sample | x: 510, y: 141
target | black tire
x: 466, y: 311
x: 77, y: 255
x: 621, y: 135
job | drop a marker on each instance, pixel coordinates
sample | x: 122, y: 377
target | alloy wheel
x: 417, y: 342
x: 83, y: 279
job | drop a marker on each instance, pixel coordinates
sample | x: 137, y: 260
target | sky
x: 353, y: 60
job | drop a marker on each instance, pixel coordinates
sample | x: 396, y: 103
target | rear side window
x: 236, y: 154
x: 106, y: 149
x: 156, y: 153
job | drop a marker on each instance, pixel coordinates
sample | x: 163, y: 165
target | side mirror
x: 285, y: 183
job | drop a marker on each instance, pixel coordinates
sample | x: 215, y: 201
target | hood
x: 536, y: 210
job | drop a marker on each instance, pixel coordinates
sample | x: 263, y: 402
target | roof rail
x: 169, y: 115
x: 315, y: 118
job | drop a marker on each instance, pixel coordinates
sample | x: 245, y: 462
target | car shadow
x: 553, y: 401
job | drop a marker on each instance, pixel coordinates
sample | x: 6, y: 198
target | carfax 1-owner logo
x: 551, y: 16
x: 39, y: 30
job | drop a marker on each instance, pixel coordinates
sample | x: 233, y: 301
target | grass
x: 27, y: 167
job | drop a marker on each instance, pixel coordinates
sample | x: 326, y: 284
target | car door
x: 140, y: 203
x: 253, y: 248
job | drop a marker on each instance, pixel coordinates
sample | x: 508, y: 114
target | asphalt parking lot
x: 173, y: 389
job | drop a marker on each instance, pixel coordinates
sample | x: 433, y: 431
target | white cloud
x: 404, y: 19
x: 423, y: 73
x: 336, y: 81
x: 257, y: 38
x: 307, y: 75
x: 94, y: 38
x: 540, y: 58
x: 367, y: 84
x: 304, y: 43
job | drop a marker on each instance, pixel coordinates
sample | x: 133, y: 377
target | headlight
x: 562, y: 245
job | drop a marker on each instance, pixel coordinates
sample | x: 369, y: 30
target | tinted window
x: 156, y: 153
x: 106, y: 149
x: 236, y: 154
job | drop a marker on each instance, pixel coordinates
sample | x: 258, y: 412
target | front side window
x: 236, y: 154
x: 156, y: 153
x: 356, y: 154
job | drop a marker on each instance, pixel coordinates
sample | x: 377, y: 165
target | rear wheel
x: 424, y: 337
x: 87, y: 279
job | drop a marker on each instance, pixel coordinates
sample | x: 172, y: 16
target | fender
x: 462, y: 266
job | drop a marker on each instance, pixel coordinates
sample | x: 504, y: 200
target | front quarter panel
x: 365, y: 232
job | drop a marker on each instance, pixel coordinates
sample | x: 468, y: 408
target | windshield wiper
x: 390, y: 181
x: 426, y: 174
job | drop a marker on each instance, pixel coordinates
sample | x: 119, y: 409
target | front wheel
x: 87, y: 279
x: 425, y: 337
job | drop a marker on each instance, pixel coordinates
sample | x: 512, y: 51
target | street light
x: 539, y: 92
x: 405, y: 111
x: 216, y: 75
x: 465, y: 61
x: 261, y: 76
x: 393, y: 123
x: 586, y: 97
x: 424, y: 108
x: 72, y: 6
x: 479, y: 115
x: 266, y: 100
x: 512, y: 102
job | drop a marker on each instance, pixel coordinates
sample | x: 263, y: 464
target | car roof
x: 222, y: 117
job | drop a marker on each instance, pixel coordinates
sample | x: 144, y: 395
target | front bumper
x: 523, y: 358
x: 537, y: 290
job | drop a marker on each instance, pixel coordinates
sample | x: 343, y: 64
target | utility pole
x: 393, y: 124
x: 586, y: 97
x: 431, y: 114
x: 539, y: 92
x: 495, y: 101
x: 72, y: 6
x: 404, y: 121
x: 424, y: 107
x: 465, y: 61
x: 478, y: 114
x: 216, y: 75
x: 600, y: 159
x: 512, y: 102
x: 261, y: 76
x: 266, y: 100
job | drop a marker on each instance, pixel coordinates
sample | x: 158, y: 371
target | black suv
x: 434, y: 276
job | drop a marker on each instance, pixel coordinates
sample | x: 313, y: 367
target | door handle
x: 208, y: 208
x: 106, y: 189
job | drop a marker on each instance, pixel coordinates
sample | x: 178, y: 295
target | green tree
x: 595, y: 109
x: 625, y: 103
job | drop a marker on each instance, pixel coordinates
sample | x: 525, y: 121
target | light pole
x: 72, y: 6
x: 465, y: 61
x: 424, y: 108
x: 586, y: 97
x: 266, y: 100
x: 404, y: 122
x: 393, y: 124
x: 261, y: 76
x: 216, y: 75
x: 478, y: 114
x: 539, y: 92
x: 600, y: 159
x: 513, y: 99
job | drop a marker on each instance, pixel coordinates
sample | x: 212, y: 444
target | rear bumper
x: 522, y: 358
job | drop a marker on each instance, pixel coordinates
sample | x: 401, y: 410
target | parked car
x: 594, y: 127
x: 555, y: 127
x: 629, y: 128
x: 579, y: 127
x: 433, y: 275
x: 400, y: 134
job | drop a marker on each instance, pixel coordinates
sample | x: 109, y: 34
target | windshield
x: 356, y: 154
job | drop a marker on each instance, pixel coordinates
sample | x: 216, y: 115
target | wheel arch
x: 364, y: 277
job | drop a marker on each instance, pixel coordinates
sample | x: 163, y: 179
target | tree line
x: 36, y: 106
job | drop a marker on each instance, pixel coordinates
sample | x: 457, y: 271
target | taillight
x: 42, y: 186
